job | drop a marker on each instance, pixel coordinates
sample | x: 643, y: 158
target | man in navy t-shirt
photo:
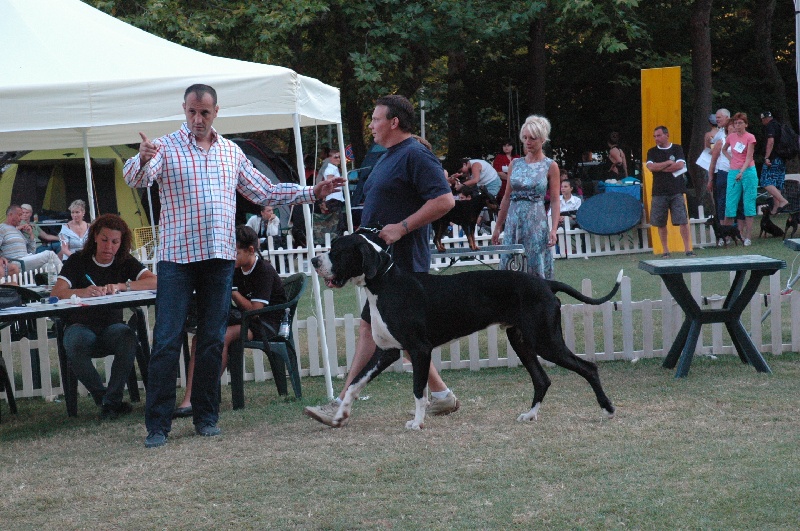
x: 405, y: 192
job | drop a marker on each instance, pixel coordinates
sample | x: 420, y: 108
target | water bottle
x: 283, y: 331
x: 50, y: 269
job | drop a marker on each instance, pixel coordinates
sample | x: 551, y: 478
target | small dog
x: 767, y: 226
x: 724, y: 232
x: 418, y: 313
x: 791, y: 222
x: 465, y: 214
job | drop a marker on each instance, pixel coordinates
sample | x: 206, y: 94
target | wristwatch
x: 128, y: 285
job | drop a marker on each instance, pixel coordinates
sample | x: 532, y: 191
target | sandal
x: 691, y: 254
x: 666, y: 255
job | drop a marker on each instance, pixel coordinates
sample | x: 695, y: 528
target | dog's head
x: 710, y: 221
x: 766, y: 210
x: 355, y: 257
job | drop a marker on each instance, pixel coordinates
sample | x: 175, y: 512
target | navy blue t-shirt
x: 404, y: 178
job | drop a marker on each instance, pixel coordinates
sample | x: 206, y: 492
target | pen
x: 90, y: 279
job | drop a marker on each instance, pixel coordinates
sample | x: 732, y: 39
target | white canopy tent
x: 71, y: 76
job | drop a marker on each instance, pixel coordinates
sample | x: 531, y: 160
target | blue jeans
x: 211, y: 280
x: 82, y: 344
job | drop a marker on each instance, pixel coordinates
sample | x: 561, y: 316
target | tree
x: 701, y: 90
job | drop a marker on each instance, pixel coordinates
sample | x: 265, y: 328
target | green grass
x: 715, y: 450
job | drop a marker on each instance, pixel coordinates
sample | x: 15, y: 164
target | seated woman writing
x: 258, y: 285
x: 103, y: 267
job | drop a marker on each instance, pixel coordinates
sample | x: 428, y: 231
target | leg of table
x: 688, y: 349
x: 737, y: 300
x: 143, y: 354
x: 677, y: 345
x: 747, y: 350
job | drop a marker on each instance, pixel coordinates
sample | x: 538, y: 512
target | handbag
x: 9, y: 298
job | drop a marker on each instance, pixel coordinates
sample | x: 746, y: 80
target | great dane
x: 419, y: 312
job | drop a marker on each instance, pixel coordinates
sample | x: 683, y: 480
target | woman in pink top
x: 742, y: 177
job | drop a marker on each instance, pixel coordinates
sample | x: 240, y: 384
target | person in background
x: 478, y: 172
x: 570, y: 203
x: 104, y: 266
x: 265, y: 225
x: 39, y: 236
x: 668, y: 165
x: 258, y: 285
x: 501, y: 164
x: 74, y: 233
x: 18, y: 246
x: 720, y: 164
x: 742, y: 177
x: 774, y: 171
x: 618, y: 166
x: 197, y: 250
x: 522, y: 210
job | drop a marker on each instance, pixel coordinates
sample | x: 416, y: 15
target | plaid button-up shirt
x: 198, y: 194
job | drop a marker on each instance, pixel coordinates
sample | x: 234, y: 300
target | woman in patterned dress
x: 522, y: 209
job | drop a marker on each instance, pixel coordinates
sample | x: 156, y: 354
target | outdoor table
x: 134, y: 300
x: 517, y: 262
x: 671, y: 272
x: 793, y: 244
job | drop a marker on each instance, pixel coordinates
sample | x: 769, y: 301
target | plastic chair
x: 280, y: 351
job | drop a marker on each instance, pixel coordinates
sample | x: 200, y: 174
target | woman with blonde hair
x: 522, y: 208
x: 74, y: 233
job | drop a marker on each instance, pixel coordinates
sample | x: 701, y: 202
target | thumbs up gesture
x: 147, y: 150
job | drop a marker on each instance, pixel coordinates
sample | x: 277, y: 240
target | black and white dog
x: 416, y: 313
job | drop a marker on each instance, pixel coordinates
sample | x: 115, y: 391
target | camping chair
x: 280, y: 351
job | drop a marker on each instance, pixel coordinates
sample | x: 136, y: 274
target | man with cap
x: 773, y: 172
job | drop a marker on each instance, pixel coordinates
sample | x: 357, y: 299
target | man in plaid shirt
x: 198, y: 173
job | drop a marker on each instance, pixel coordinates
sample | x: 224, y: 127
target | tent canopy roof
x: 69, y: 69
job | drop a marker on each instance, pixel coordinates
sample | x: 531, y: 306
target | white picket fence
x: 604, y: 332
x: 619, y: 330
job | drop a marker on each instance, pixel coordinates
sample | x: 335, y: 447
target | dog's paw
x: 609, y: 414
x: 413, y: 425
x: 531, y: 415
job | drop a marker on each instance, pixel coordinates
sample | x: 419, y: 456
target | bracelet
x: 128, y: 285
x: 405, y: 226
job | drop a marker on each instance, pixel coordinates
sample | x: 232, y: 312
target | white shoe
x: 747, y: 242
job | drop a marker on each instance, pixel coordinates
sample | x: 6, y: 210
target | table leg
x: 747, y: 350
x: 688, y: 349
x: 738, y: 298
x: 677, y: 345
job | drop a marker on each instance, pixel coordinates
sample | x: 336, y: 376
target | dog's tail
x: 556, y: 287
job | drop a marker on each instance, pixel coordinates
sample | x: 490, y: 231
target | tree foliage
x: 475, y: 62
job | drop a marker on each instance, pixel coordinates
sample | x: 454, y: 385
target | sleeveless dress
x: 527, y: 222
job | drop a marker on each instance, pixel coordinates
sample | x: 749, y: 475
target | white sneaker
x: 325, y: 413
x: 443, y: 406
x: 721, y: 243
x: 747, y: 242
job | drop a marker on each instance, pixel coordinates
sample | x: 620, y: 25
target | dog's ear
x: 370, y: 259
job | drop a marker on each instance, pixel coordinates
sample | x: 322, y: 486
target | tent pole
x: 89, y: 187
x: 301, y: 169
x: 346, y: 187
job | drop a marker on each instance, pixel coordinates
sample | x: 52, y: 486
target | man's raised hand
x: 147, y: 150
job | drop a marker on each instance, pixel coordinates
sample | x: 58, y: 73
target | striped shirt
x: 198, y: 188
x: 14, y: 244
